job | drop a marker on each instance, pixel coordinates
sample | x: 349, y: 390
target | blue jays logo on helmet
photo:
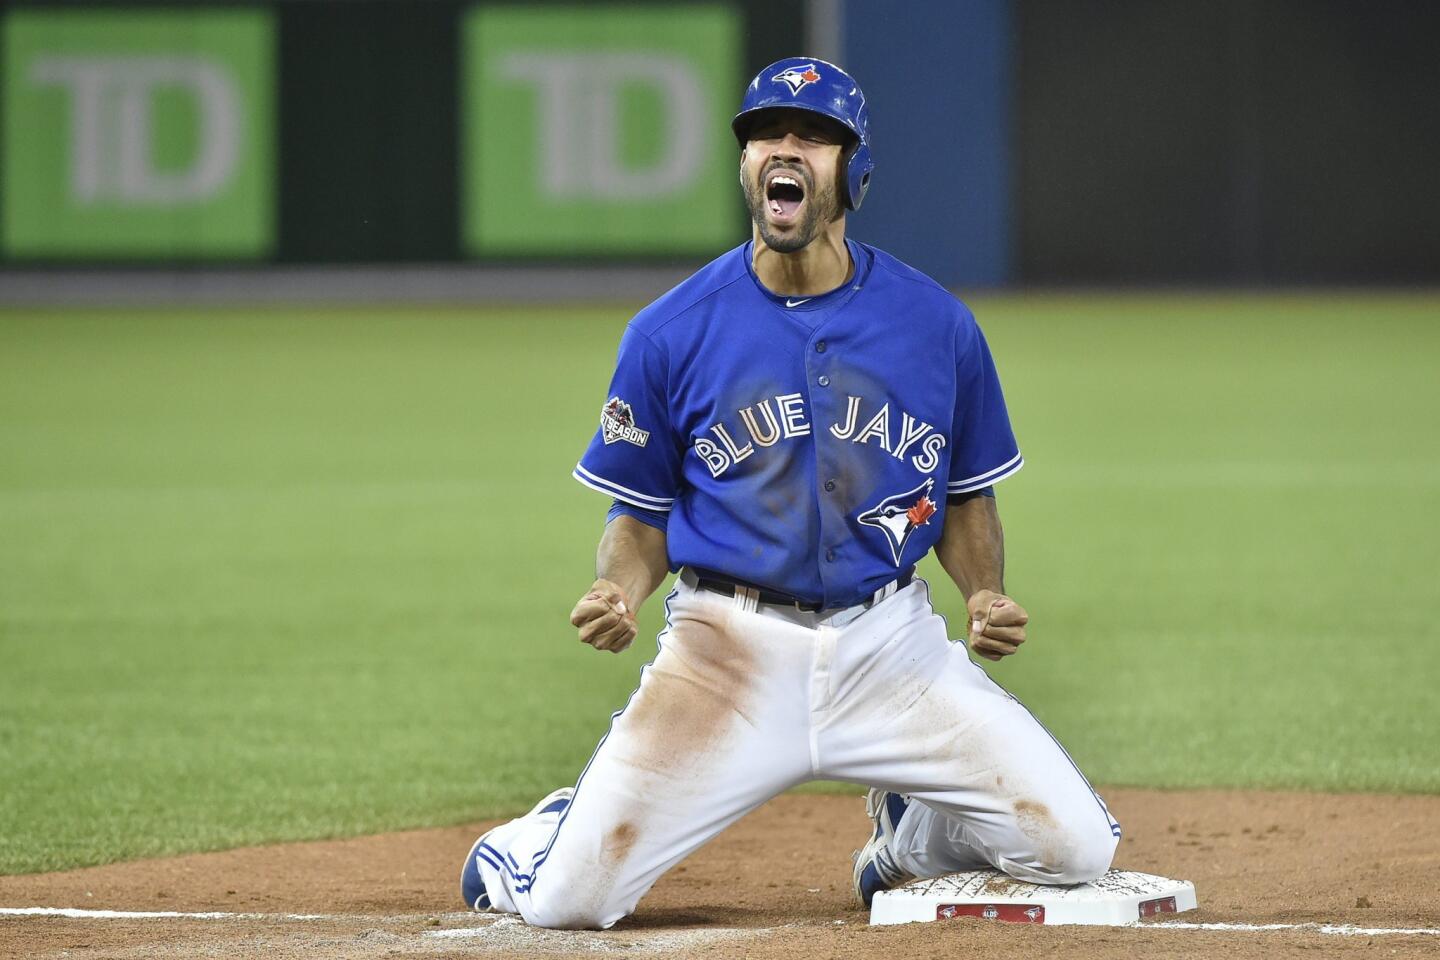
x: 804, y: 83
x: 796, y: 78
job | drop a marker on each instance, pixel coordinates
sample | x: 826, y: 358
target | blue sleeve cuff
x: 654, y: 518
x: 971, y: 495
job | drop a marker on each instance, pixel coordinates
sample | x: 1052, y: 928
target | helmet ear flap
x: 858, y: 168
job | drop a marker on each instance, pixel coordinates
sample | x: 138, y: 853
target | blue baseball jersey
x: 802, y: 444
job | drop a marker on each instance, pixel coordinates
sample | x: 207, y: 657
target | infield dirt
x: 777, y: 885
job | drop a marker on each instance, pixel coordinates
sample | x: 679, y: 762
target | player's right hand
x: 603, y: 618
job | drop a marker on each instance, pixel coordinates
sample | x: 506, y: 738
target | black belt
x: 716, y: 583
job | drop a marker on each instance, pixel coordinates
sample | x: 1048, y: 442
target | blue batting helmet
x: 804, y: 83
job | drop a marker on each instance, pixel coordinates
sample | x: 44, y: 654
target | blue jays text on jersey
x: 805, y: 445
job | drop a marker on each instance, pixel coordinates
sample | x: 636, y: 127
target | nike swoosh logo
x: 796, y: 303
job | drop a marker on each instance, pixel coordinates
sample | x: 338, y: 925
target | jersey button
x: 829, y: 485
x: 830, y: 556
x: 824, y: 381
x: 820, y: 346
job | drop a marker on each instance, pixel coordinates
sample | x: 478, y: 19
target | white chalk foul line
x: 512, y: 925
x: 77, y: 914
x: 74, y: 913
x: 1330, y: 929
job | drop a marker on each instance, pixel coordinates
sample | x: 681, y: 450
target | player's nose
x: 787, y: 147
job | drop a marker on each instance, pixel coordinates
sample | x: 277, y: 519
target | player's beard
x: 822, y: 206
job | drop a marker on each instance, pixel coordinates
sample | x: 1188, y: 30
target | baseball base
x: 1118, y: 898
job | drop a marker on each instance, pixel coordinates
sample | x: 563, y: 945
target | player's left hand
x: 997, y: 624
x: 603, y: 619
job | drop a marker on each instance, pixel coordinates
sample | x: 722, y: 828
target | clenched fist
x: 997, y: 624
x: 603, y: 618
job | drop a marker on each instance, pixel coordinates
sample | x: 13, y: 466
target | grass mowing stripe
x: 272, y: 575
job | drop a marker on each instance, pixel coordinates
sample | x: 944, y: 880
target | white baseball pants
x: 744, y: 701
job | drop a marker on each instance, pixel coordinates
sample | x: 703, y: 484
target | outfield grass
x: 277, y: 574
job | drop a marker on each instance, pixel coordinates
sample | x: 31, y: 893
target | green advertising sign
x: 134, y: 133
x: 600, y: 129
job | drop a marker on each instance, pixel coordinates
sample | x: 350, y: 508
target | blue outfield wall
x: 938, y: 78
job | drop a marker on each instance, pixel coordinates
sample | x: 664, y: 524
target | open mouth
x: 784, y: 193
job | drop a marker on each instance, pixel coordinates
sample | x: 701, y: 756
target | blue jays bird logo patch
x: 797, y: 78
x: 898, y: 516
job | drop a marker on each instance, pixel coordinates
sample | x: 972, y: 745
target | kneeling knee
x: 562, y: 908
x: 1077, y: 856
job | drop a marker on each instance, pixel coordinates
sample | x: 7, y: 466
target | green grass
x: 268, y: 575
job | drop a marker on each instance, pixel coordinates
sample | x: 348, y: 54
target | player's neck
x: 819, y: 267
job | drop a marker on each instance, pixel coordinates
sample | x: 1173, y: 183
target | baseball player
x: 792, y: 429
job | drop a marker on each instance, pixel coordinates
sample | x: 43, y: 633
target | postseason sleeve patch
x: 618, y: 423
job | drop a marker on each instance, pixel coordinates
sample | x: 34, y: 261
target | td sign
x: 137, y: 133
x: 600, y: 129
